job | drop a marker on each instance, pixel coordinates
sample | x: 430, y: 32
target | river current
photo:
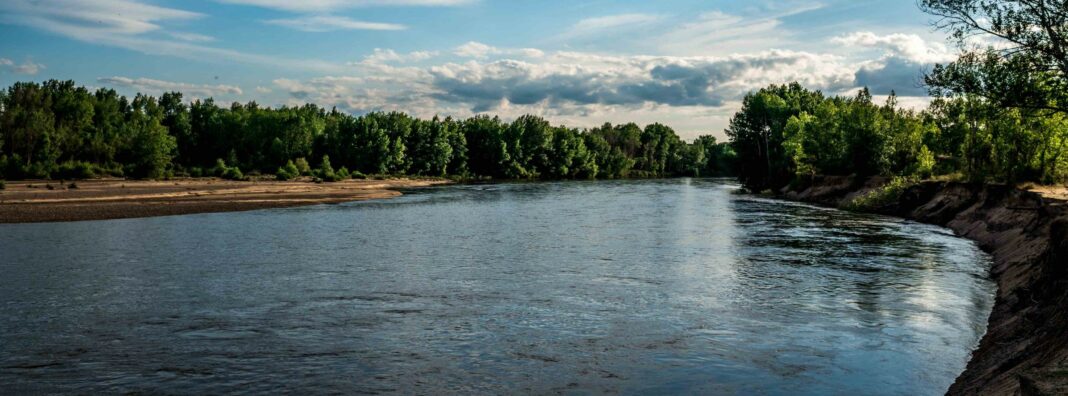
x: 676, y: 286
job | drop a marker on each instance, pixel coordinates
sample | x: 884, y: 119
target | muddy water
x: 643, y: 287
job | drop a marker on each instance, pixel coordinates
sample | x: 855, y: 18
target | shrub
x: 302, y: 167
x: 77, y: 170
x: 358, y: 175
x: 72, y: 186
x: 196, y: 171
x: 343, y: 173
x: 288, y: 172
x: 233, y: 173
x: 227, y: 172
x: 326, y: 171
x: 3, y: 185
x: 882, y: 197
x: 220, y: 168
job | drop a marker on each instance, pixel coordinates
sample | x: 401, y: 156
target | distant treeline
x: 59, y: 130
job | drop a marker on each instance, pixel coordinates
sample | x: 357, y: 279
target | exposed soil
x: 1025, y: 350
x: 49, y: 201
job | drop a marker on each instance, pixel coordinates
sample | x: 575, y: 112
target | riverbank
x: 51, y: 201
x: 1025, y: 350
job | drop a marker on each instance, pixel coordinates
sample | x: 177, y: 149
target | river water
x: 637, y: 287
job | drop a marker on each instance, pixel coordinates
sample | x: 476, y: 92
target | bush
x: 72, y: 186
x: 220, y: 168
x: 76, y: 170
x: 302, y: 167
x: 882, y: 197
x: 358, y: 175
x: 233, y: 173
x: 227, y: 172
x: 326, y: 171
x: 3, y: 185
x: 288, y: 172
x: 196, y: 171
x: 343, y: 173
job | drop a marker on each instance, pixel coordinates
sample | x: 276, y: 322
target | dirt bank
x: 1025, y: 350
x: 45, y: 201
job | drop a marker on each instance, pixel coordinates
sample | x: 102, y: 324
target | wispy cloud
x: 320, y: 6
x: 381, y: 56
x: 194, y: 37
x: 156, y: 87
x: 327, y: 23
x: 112, y: 16
x: 477, y: 50
x: 26, y: 67
x: 602, y: 23
x: 133, y: 25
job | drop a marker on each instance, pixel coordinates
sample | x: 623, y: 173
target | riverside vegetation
x: 999, y: 114
x: 62, y: 131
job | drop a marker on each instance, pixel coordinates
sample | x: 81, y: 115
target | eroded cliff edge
x: 1025, y: 350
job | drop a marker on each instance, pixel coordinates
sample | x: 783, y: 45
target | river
x: 678, y: 286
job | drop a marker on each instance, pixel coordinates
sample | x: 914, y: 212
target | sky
x: 683, y: 63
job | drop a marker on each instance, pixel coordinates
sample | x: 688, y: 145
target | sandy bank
x: 1025, y: 350
x: 33, y: 201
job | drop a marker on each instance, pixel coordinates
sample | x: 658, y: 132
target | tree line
x: 56, y: 129
x: 999, y: 113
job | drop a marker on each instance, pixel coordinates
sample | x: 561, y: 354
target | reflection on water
x: 677, y: 286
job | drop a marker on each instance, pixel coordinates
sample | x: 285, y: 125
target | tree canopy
x: 59, y: 130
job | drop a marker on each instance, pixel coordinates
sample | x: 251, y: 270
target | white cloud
x: 908, y: 46
x: 337, y: 5
x: 156, y: 87
x: 327, y: 23
x: 263, y: 90
x: 696, y: 94
x: 26, y: 67
x: 390, y: 56
x: 477, y: 50
x: 136, y: 26
x: 598, y: 24
x: 194, y: 37
x: 113, y: 16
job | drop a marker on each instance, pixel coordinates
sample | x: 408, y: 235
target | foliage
x: 883, y: 196
x: 1025, y: 65
x: 287, y: 172
x: 969, y: 135
x: 54, y: 129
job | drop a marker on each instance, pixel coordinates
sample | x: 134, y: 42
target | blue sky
x: 681, y: 62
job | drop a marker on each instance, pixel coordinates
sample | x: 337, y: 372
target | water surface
x: 637, y: 287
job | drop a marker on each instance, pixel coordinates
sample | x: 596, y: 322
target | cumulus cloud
x: 908, y: 46
x: 26, y: 67
x: 156, y: 87
x: 327, y: 23
x: 320, y: 6
x: 575, y: 87
x: 906, y: 58
x: 674, y: 81
x: 893, y: 74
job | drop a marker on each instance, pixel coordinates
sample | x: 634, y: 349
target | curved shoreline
x: 1025, y: 349
x: 35, y: 202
